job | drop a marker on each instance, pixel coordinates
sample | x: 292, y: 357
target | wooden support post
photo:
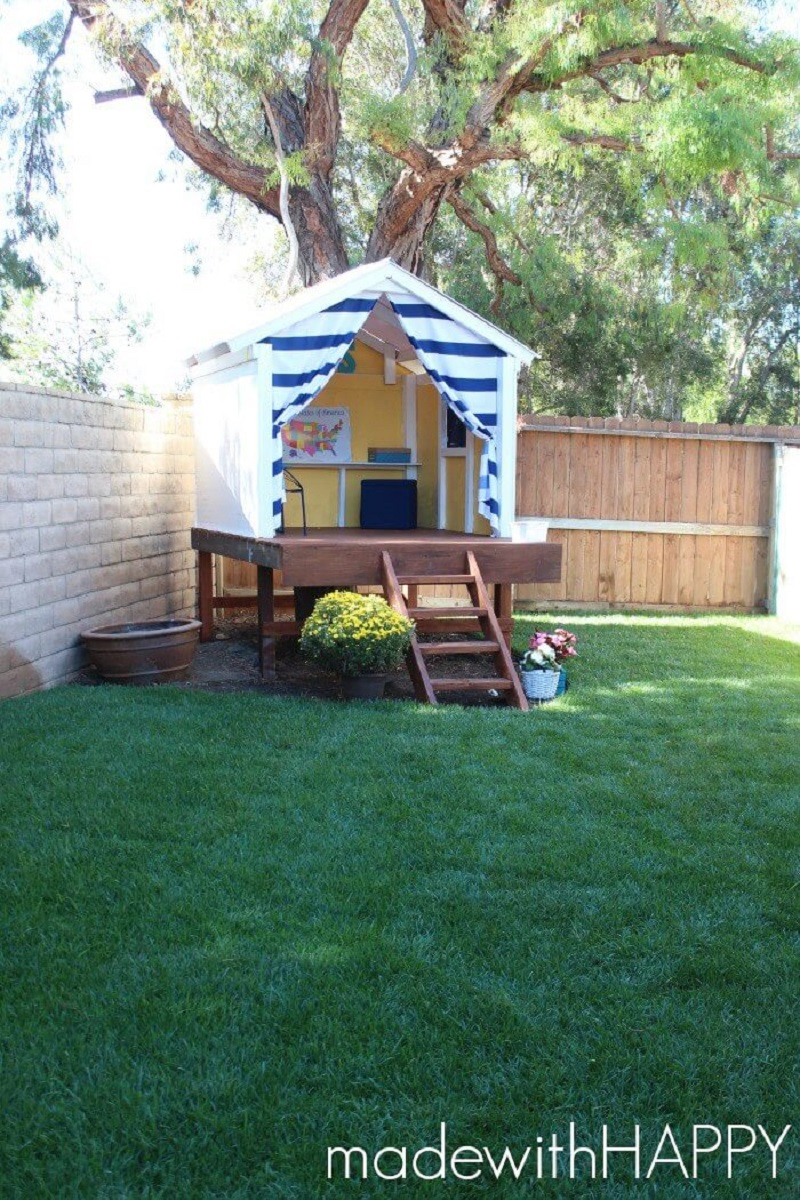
x: 266, y: 618
x: 205, y: 594
x: 504, y: 608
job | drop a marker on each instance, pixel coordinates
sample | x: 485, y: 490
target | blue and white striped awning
x: 462, y: 365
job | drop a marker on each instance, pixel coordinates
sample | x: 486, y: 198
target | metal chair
x: 295, y: 488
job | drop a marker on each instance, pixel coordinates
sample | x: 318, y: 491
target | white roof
x: 370, y: 279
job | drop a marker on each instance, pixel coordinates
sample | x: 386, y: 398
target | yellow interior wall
x: 428, y: 408
x: 455, y: 467
x: 376, y: 419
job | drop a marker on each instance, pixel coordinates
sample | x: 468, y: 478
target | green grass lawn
x: 240, y: 930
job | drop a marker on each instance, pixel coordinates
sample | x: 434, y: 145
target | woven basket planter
x: 540, y: 685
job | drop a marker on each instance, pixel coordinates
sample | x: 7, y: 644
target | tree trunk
x: 321, y: 252
x: 405, y: 216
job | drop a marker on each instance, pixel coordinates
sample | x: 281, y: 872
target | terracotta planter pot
x: 143, y: 651
x: 363, y: 687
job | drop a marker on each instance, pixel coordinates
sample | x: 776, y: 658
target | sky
x: 130, y: 229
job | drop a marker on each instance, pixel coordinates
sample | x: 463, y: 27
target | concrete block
x: 167, y: 485
x: 88, y: 508
x: 12, y: 570
x: 76, y: 485
x: 92, y: 437
x: 10, y: 515
x: 37, y: 566
x: 121, y: 484
x: 62, y: 637
x: 28, y: 433
x: 23, y: 541
x: 92, y: 461
x: 49, y: 487
x: 37, y: 512
x: 20, y: 681
x: 6, y: 430
x: 88, y: 556
x: 39, y: 461
x: 52, y: 537
x: 22, y: 404
x: 110, y: 506
x: 65, y: 510
x: 65, y: 612
x: 123, y: 416
x: 72, y: 411
x: 57, y: 437
x: 151, y: 442
x: 121, y: 528
x: 110, y: 552
x: 66, y: 461
x: 78, y: 534
x: 131, y: 550
x: 153, y: 585
x: 12, y: 460
x: 22, y: 487
x: 99, y: 485
x: 125, y: 439
x: 101, y: 531
x: 63, y: 666
x: 29, y: 608
x: 28, y: 648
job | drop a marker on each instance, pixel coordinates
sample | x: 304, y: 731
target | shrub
x: 355, y: 635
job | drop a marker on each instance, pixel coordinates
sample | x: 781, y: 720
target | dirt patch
x: 230, y: 664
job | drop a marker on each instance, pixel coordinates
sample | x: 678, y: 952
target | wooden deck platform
x: 352, y: 557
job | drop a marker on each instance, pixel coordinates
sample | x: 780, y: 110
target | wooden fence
x: 650, y: 512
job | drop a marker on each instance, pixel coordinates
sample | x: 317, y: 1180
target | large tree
x: 358, y: 123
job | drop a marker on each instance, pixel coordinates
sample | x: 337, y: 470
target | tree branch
x: 499, y: 266
x: 447, y: 18
x: 322, y: 115
x: 35, y: 140
x: 609, y: 91
x: 121, y: 93
x: 411, y: 49
x: 198, y: 144
x: 283, y: 197
x: 604, y: 141
x: 637, y: 55
x: 774, y: 155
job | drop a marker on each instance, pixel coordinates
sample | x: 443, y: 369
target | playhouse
x: 369, y: 417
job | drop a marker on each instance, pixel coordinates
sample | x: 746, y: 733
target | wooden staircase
x: 505, y: 679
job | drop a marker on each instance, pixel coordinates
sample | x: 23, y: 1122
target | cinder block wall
x: 96, y: 507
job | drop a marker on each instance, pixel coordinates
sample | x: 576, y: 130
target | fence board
x: 666, y: 475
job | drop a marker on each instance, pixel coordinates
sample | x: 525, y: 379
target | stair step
x: 459, y: 647
x: 472, y: 685
x: 435, y: 579
x: 457, y: 611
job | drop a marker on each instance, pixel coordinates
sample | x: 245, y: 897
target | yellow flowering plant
x: 355, y: 635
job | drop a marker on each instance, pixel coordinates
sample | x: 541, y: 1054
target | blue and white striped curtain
x: 463, y: 367
x: 303, y: 361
